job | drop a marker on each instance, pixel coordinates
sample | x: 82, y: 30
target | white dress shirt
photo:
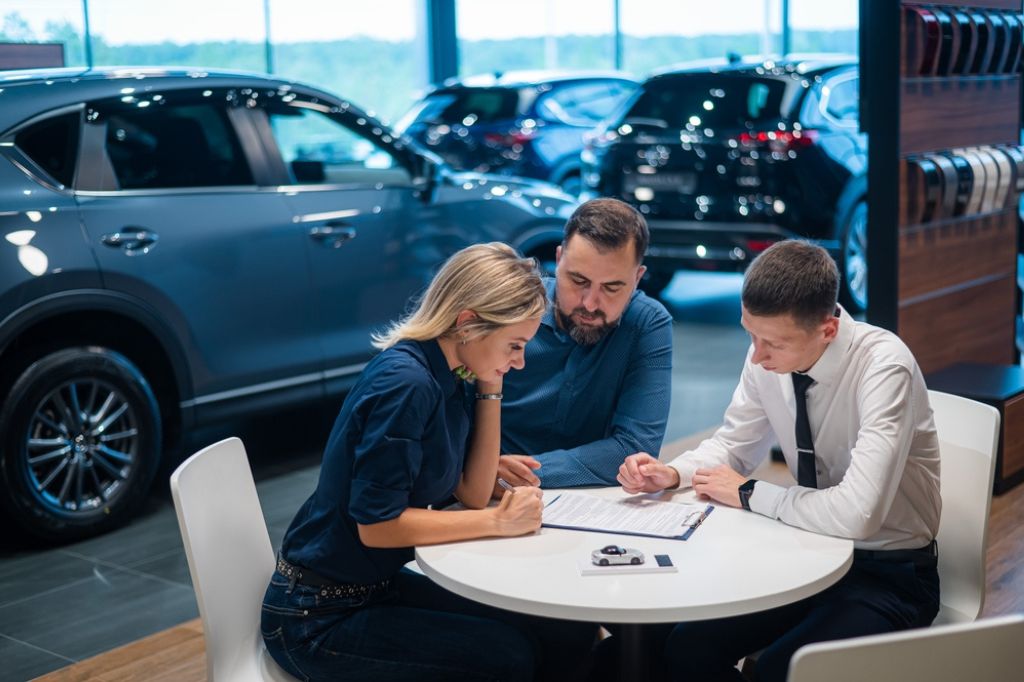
x: 876, y: 451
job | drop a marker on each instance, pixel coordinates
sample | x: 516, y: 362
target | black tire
x: 654, y: 282
x: 853, y: 265
x: 604, y: 562
x: 635, y: 561
x: 80, y: 442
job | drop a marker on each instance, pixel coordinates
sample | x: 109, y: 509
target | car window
x: 172, y: 142
x: 321, y: 148
x: 52, y: 144
x: 584, y: 103
x: 843, y: 101
x: 467, y: 106
x: 709, y: 100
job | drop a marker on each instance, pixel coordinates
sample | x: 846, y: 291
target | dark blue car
x: 527, y: 124
x: 179, y: 247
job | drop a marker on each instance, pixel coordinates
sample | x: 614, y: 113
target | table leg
x: 633, y: 663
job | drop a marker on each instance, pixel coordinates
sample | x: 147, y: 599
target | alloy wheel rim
x: 855, y: 257
x: 81, y: 447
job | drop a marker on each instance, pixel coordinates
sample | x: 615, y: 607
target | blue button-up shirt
x: 400, y: 441
x: 580, y: 410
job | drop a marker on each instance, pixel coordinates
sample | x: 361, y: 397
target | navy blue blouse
x: 399, y: 442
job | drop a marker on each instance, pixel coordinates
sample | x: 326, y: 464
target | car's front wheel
x: 80, y: 442
x: 853, y: 259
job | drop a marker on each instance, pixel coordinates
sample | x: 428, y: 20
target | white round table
x: 736, y: 562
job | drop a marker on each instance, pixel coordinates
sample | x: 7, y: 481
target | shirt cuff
x: 686, y: 471
x: 765, y: 499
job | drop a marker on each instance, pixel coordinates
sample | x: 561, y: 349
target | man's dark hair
x: 609, y: 224
x: 792, y: 277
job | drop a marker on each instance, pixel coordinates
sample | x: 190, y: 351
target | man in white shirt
x: 861, y: 443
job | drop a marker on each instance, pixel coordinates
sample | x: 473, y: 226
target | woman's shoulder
x: 404, y: 366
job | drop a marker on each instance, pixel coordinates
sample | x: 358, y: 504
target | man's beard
x: 585, y: 334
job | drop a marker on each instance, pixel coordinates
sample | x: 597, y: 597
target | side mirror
x: 308, y: 172
x: 428, y: 175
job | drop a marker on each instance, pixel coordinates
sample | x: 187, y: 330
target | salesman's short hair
x: 792, y: 277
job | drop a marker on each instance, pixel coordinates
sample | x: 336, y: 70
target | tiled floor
x: 65, y: 604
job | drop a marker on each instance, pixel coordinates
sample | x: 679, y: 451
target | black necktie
x: 805, y: 474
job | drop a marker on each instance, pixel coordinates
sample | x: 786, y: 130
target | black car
x: 181, y: 247
x: 528, y: 124
x: 726, y: 159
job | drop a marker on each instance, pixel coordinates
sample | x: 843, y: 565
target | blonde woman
x: 412, y: 433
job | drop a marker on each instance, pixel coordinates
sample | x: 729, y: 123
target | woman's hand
x: 519, y: 512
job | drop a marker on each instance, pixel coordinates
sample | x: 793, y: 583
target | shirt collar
x: 438, y: 365
x: 828, y: 365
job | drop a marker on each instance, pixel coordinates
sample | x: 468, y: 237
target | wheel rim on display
x: 855, y: 257
x: 81, y: 447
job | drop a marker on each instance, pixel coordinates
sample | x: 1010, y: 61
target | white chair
x: 229, y: 557
x: 968, y: 437
x: 980, y: 651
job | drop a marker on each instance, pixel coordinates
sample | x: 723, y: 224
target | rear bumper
x: 709, y: 245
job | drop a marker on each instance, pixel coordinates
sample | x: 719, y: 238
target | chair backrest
x: 968, y: 436
x: 230, y: 558
x: 980, y: 651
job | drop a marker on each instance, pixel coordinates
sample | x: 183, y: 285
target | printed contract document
x: 631, y: 516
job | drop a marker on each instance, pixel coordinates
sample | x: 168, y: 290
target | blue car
x: 528, y: 124
x: 181, y: 246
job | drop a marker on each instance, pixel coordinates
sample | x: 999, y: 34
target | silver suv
x: 178, y: 247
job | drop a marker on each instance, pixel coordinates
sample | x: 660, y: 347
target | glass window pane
x: 535, y: 34
x: 227, y: 34
x: 45, y: 21
x: 658, y: 33
x: 180, y: 142
x: 823, y: 27
x: 318, y: 148
x: 53, y: 145
x: 367, y: 53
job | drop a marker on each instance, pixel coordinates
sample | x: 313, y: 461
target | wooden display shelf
x: 957, y: 111
x: 970, y: 322
x: 958, y: 251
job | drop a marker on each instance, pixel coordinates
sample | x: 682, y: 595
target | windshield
x: 708, y: 101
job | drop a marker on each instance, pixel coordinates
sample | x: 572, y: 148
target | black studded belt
x: 328, y: 588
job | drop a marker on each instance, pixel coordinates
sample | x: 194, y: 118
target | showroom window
x: 657, y: 33
x: 535, y: 34
x: 46, y: 21
x: 823, y: 27
x: 365, y: 52
x: 227, y: 34
x: 190, y: 144
x: 319, y: 148
x: 52, y: 144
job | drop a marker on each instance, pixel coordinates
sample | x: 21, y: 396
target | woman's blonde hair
x: 489, y: 279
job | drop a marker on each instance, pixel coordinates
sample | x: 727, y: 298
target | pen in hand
x: 506, y: 485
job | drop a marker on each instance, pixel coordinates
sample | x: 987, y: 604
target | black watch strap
x: 746, y: 489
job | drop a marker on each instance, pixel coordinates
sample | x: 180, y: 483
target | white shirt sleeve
x: 857, y: 506
x: 743, y: 440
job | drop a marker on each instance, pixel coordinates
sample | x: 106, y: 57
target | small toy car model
x: 615, y: 555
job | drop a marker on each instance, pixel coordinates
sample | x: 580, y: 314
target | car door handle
x: 134, y: 241
x: 333, y: 235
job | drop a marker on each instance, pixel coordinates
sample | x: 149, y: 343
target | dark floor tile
x: 34, y: 573
x: 111, y: 608
x: 153, y: 534
x: 23, y: 662
x: 172, y: 566
x: 282, y: 496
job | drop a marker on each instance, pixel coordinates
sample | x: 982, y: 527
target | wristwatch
x: 746, y: 490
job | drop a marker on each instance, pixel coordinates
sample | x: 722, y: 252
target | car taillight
x: 511, y: 138
x: 779, y: 140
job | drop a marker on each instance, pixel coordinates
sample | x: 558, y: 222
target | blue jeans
x: 415, y: 631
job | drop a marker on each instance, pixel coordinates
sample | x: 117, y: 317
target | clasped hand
x: 642, y: 473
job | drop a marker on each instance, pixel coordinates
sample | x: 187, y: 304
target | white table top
x: 736, y: 562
